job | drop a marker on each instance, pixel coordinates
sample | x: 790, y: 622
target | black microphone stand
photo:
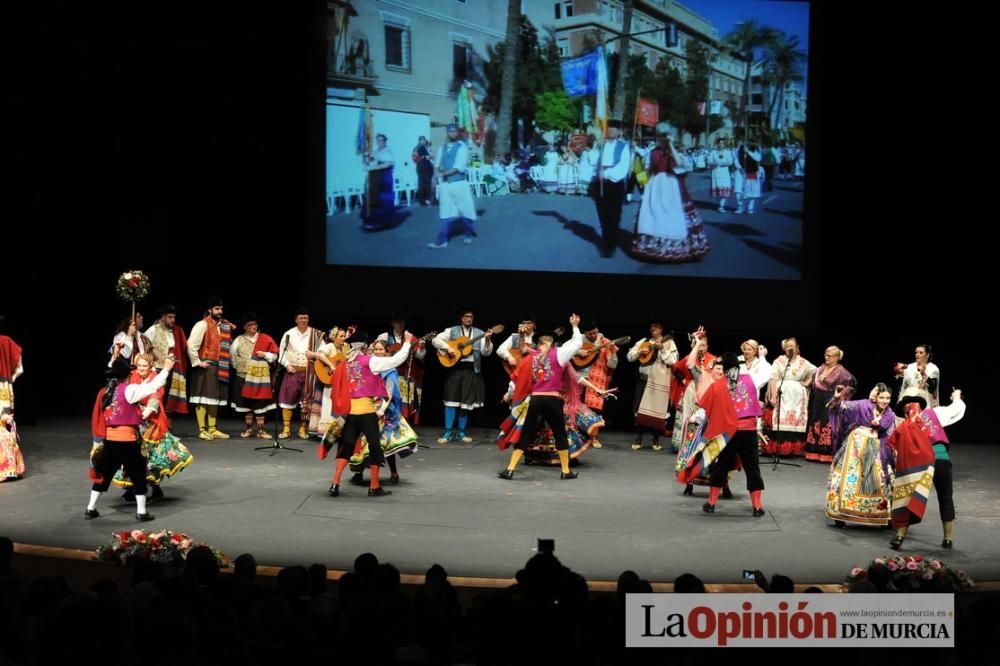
x: 777, y: 422
x: 276, y: 445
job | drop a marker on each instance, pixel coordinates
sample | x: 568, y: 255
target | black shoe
x: 157, y: 493
x: 726, y: 493
x: 358, y: 479
x: 507, y: 474
x: 839, y: 523
x: 394, y: 479
x: 90, y: 514
x: 896, y: 542
x: 128, y: 496
x: 335, y: 490
x: 708, y: 508
x: 688, y: 490
x: 757, y: 513
x: 568, y: 475
x: 947, y: 544
x: 144, y: 517
x: 378, y: 492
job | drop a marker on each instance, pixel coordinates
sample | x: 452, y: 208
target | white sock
x: 140, y: 504
x: 722, y: 203
x: 94, y: 495
x: 750, y: 206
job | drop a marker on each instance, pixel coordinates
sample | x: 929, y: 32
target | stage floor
x: 624, y: 512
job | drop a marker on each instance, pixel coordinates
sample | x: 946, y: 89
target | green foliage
x: 556, y: 111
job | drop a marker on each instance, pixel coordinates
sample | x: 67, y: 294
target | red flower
x: 133, y: 283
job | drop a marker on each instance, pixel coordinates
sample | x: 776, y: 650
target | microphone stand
x: 777, y: 420
x: 276, y: 445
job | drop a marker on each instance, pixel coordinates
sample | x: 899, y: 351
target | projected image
x: 687, y: 157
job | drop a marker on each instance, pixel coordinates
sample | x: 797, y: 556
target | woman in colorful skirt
x: 669, y: 228
x: 11, y: 460
x: 398, y: 438
x: 859, y: 486
x: 692, y: 426
x: 252, y: 395
x: 830, y: 375
x: 165, y: 454
x: 582, y: 424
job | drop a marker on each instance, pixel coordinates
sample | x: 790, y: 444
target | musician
x: 599, y: 372
x: 299, y: 380
x: 330, y: 353
x: 167, y: 337
x: 545, y: 369
x: 652, y: 389
x: 464, y: 389
x: 411, y: 373
x: 522, y: 340
x: 608, y: 188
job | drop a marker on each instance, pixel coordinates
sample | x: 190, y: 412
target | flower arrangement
x: 133, y: 286
x: 915, y: 573
x: 165, y: 547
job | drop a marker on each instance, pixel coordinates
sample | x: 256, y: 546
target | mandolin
x: 589, y: 352
x: 462, y: 347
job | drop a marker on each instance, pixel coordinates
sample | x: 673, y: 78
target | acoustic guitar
x: 462, y: 347
x: 517, y: 355
x: 648, y: 350
x: 324, y: 374
x: 396, y: 346
x: 589, y: 352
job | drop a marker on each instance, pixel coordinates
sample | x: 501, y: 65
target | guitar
x: 462, y: 347
x: 588, y: 354
x: 324, y: 374
x: 649, y: 349
x: 396, y: 346
x: 517, y: 355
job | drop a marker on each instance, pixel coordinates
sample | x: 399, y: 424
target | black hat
x: 359, y: 337
x: 529, y: 316
x: 461, y: 311
x: 916, y: 395
x: 301, y: 310
x: 614, y: 122
x: 247, y: 318
x: 588, y: 325
x: 166, y: 309
x: 658, y: 321
x: 397, y: 315
x: 119, y: 369
x: 730, y: 360
x: 214, y: 301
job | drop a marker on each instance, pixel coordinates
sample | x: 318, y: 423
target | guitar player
x: 599, y: 372
x: 464, y: 388
x: 411, y: 373
x: 522, y: 339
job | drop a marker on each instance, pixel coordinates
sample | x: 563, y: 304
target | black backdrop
x: 186, y: 139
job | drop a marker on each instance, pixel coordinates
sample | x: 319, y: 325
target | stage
x: 624, y: 512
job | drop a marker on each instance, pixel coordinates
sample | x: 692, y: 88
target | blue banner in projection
x: 579, y: 75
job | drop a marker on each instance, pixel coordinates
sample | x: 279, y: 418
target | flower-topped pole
x: 133, y: 286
